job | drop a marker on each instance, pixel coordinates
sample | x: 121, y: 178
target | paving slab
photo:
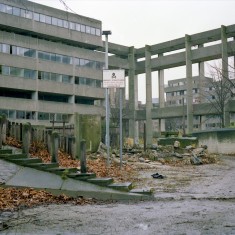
x: 29, y: 177
x: 7, y: 170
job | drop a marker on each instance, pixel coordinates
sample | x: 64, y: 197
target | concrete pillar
x: 161, y: 93
x: 224, y: 50
x: 233, y: 64
x: 71, y: 99
x: 203, y: 122
x: 133, y: 94
x: 201, y: 68
x: 35, y: 95
x: 149, y: 105
x: 26, y: 131
x: 189, y: 84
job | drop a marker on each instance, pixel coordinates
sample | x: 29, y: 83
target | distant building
x: 203, y: 92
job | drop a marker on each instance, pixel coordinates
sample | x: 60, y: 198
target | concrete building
x: 49, y: 66
x: 203, y: 91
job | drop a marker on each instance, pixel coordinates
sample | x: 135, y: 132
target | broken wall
x: 88, y: 127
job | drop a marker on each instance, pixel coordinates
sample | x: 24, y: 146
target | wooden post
x: 83, y: 156
x: 26, y: 129
x: 73, y: 147
x: 54, y: 146
x: 49, y: 141
x: 3, y: 119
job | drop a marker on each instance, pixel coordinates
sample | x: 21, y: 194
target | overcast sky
x: 140, y: 22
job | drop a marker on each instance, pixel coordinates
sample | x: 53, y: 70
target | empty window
x: 48, y: 19
x: 16, y: 11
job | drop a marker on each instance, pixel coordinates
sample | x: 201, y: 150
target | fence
x: 43, y: 134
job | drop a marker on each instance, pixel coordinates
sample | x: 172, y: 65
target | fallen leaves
x: 12, y: 198
x: 97, y: 165
x: 13, y: 142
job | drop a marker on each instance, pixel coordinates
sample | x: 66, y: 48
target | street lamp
x: 107, y: 138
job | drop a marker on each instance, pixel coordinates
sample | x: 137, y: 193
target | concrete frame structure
x: 22, y: 30
x: 147, y: 62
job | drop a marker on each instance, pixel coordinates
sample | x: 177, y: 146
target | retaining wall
x: 218, y: 141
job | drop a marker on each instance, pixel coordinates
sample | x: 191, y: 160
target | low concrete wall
x: 218, y: 141
x: 184, y: 141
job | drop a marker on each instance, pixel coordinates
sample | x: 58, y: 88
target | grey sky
x: 140, y: 22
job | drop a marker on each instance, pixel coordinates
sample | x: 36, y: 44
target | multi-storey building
x: 49, y: 66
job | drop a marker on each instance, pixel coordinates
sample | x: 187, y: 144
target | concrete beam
x: 178, y: 59
x: 117, y: 63
x: 164, y: 47
x: 176, y: 44
x: 176, y: 111
x: 116, y: 49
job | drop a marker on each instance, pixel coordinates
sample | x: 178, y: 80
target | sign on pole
x: 114, y: 78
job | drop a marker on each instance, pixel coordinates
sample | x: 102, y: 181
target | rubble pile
x: 169, y: 154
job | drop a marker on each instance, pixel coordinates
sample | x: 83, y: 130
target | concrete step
x: 10, y: 157
x: 26, y: 161
x: 142, y: 191
x: 62, y: 170
x: 5, y: 151
x: 101, y: 181
x: 43, y: 166
x: 82, y: 176
x: 126, y: 187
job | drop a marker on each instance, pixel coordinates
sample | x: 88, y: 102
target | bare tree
x: 219, y: 89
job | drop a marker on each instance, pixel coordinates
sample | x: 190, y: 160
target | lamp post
x: 107, y: 138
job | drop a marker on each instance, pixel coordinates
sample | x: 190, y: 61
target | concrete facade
x: 33, y: 40
x: 49, y: 67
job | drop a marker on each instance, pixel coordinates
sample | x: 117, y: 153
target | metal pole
x: 107, y: 139
x: 120, y: 127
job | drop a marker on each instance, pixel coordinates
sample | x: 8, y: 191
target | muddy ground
x: 189, y: 200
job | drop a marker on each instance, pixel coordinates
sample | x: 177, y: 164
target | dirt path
x: 190, y: 200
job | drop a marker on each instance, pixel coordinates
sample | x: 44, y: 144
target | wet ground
x: 189, y: 200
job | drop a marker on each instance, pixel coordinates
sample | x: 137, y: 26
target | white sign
x: 113, y: 78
